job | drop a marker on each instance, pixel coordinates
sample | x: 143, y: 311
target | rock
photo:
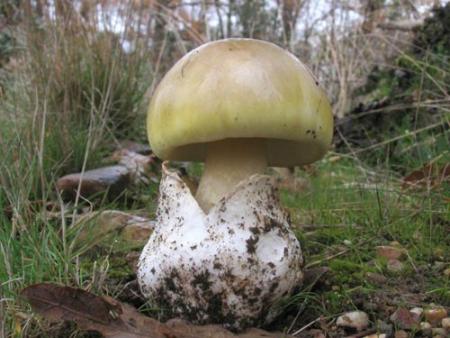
x: 111, y: 179
x: 390, y: 252
x: 401, y: 334
x: 425, y: 328
x: 132, y: 168
x: 394, y: 265
x: 404, y: 319
x: 376, y: 278
x: 439, y: 331
x: 435, y: 315
x: 376, y: 335
x: 98, y: 226
x: 138, y: 233
x: 445, y: 323
x: 417, y: 311
x: 356, y: 319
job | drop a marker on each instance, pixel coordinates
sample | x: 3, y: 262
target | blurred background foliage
x: 91, y: 66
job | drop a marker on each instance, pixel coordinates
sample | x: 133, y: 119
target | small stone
x: 100, y: 226
x: 446, y: 323
x: 425, y: 328
x: 137, y: 234
x: 417, y: 311
x: 390, y: 252
x: 376, y: 335
x: 354, y: 319
x: 347, y: 242
x: 439, y: 331
x: 112, y: 179
x: 404, y: 319
x: 401, y: 334
x: 435, y: 315
x: 394, y: 265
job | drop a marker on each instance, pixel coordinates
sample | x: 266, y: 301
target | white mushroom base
x: 228, y: 266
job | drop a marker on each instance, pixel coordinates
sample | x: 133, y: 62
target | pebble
x: 354, y: 319
x: 134, y: 230
x: 137, y: 233
x: 417, y: 311
x: 394, y: 265
x: 446, y: 323
x: 404, y: 319
x: 435, y: 315
x: 425, y: 328
x: 376, y: 335
x: 439, y: 331
x: 390, y: 252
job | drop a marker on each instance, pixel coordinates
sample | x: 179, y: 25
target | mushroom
x: 228, y: 254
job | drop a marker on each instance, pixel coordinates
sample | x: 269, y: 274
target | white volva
x: 229, y: 265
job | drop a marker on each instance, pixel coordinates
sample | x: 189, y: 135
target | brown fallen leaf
x: 114, y: 319
x: 430, y: 175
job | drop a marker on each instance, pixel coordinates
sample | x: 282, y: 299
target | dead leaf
x: 430, y: 175
x: 114, y: 319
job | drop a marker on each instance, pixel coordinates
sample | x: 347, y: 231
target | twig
x: 306, y: 326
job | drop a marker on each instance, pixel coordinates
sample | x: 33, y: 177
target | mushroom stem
x: 227, y: 163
